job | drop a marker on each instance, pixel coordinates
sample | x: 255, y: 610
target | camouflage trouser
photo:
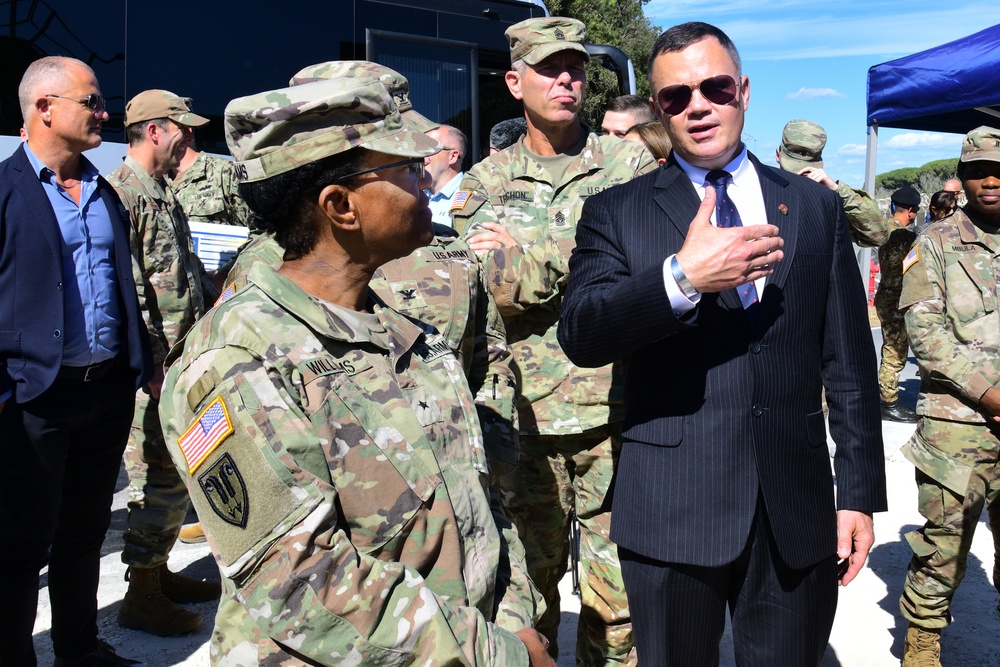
x: 158, y: 499
x: 894, y: 349
x: 556, y: 475
x: 941, y: 547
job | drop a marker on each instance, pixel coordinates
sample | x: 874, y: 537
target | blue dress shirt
x: 92, y: 328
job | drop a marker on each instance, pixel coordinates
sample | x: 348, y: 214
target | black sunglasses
x: 721, y: 89
x: 415, y: 164
x: 94, y: 101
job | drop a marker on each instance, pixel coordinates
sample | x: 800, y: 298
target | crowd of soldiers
x: 383, y: 440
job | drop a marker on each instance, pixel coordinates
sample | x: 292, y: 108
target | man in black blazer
x: 723, y: 493
x: 73, y: 351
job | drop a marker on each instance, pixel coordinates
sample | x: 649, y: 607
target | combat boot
x: 146, y: 608
x: 922, y: 647
x: 184, y: 590
x: 192, y: 533
x: 894, y: 412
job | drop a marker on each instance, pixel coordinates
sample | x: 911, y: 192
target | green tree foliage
x: 928, y: 178
x: 620, y: 23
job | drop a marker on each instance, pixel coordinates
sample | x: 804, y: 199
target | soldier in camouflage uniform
x: 442, y: 285
x: 330, y: 444
x: 950, y: 297
x: 519, y: 209
x: 173, y: 293
x: 207, y: 189
x: 905, y: 203
x: 801, y: 152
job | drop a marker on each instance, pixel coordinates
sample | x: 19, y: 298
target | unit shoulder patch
x: 226, y: 492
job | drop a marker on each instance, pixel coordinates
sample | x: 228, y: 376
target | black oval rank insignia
x: 226, y: 493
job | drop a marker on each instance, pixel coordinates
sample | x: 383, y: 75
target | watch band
x: 682, y: 280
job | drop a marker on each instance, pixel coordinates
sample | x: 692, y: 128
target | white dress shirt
x: 745, y: 192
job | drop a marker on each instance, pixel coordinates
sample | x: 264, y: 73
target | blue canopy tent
x: 954, y: 87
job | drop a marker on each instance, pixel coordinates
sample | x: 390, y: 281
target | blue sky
x: 810, y: 60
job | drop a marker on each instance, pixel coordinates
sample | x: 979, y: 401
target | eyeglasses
x: 721, y: 89
x: 415, y: 164
x: 94, y: 101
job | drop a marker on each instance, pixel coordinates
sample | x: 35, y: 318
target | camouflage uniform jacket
x: 869, y: 228
x: 208, y: 192
x: 442, y: 285
x: 344, y: 494
x: 890, y: 265
x: 173, y: 287
x: 952, y: 319
x: 513, y: 189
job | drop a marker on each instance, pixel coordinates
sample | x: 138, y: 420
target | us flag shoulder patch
x: 459, y: 200
x: 206, y: 433
x: 226, y: 294
x: 911, y: 258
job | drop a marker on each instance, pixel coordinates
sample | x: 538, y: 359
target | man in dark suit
x: 73, y: 351
x: 723, y: 493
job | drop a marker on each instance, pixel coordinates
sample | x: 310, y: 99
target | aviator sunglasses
x: 94, y: 101
x: 721, y: 89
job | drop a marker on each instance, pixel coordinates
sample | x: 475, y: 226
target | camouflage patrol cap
x: 982, y: 143
x: 394, y: 82
x: 802, y: 143
x: 534, y: 40
x: 153, y: 104
x: 276, y: 131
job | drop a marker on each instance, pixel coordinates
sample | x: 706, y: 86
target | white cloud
x: 813, y: 94
x: 921, y: 140
x: 852, y: 149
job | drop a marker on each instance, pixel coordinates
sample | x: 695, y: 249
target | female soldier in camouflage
x: 330, y: 445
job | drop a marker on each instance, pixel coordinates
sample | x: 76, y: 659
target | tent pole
x: 864, y: 255
x: 870, y: 156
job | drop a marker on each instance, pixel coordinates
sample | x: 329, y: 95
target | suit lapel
x: 41, y: 210
x: 675, y: 196
x: 783, y: 209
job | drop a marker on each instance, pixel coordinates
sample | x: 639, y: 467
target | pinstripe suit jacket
x: 719, y: 408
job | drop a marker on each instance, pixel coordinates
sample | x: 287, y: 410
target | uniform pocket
x: 974, y: 291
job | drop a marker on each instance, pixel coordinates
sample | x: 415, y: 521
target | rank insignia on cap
x: 459, y: 200
x: 911, y: 258
x: 206, y: 433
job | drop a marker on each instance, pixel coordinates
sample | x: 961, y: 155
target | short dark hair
x: 506, y: 132
x: 629, y: 104
x: 684, y: 35
x: 135, y: 133
x: 282, y: 203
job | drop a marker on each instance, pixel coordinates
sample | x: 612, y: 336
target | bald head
x: 43, y: 76
x: 952, y: 185
x: 446, y: 164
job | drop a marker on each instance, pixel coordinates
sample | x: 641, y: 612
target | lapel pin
x: 783, y: 209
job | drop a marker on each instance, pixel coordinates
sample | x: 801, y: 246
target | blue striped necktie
x: 726, y: 215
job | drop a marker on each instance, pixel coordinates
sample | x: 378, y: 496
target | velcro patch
x: 460, y: 199
x: 911, y: 258
x: 227, y: 294
x: 206, y: 433
x: 226, y: 492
